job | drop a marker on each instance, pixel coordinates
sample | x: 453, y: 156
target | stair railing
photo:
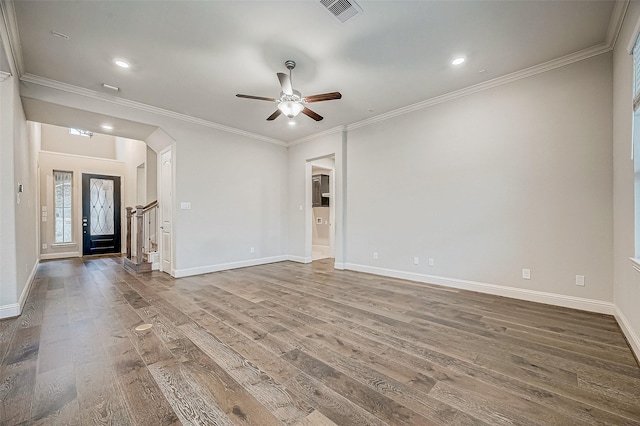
x: 142, y: 233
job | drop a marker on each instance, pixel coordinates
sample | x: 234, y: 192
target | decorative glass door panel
x: 102, y: 208
x: 101, y: 214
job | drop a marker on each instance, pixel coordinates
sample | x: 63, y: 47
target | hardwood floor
x: 302, y: 345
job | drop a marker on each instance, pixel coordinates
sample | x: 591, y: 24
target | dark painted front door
x: 100, y: 214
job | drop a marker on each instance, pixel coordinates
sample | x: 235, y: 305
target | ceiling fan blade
x: 274, y: 115
x: 323, y: 97
x: 306, y: 111
x: 259, y: 98
x: 285, y: 83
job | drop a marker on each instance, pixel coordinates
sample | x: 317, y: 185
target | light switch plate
x: 526, y: 274
x: 185, y: 206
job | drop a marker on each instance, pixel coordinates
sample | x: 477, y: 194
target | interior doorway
x: 322, y: 218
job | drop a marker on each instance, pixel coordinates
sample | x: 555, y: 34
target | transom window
x: 80, y: 132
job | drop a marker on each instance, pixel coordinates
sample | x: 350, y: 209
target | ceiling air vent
x: 342, y: 9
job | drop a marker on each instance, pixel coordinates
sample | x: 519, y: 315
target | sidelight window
x: 62, y: 199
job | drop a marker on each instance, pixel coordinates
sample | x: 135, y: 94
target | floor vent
x: 342, y: 9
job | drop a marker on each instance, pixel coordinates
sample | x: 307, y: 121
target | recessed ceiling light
x: 110, y: 87
x: 107, y: 127
x: 292, y: 123
x: 59, y: 35
x: 458, y: 61
x: 121, y: 63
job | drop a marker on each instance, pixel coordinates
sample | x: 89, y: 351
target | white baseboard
x: 15, y: 309
x: 573, y: 302
x: 299, y: 259
x: 179, y: 273
x: 9, y: 311
x: 632, y: 337
x: 339, y: 265
x: 62, y: 255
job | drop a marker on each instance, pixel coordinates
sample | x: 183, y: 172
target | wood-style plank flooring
x: 302, y: 345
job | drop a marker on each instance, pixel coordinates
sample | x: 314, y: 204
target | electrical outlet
x: 375, y: 255
x: 431, y: 261
x: 416, y: 261
x: 580, y: 280
x: 44, y: 246
x: 185, y: 206
x: 526, y: 274
x: 252, y: 250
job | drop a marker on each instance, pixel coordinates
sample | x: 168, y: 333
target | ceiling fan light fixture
x: 290, y: 108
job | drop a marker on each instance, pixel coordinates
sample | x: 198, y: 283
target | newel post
x: 139, y: 229
x: 129, y: 232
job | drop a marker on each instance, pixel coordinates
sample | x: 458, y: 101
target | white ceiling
x: 192, y: 57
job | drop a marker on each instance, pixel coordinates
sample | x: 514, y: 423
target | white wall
x: 58, y: 139
x: 237, y: 190
x: 518, y: 176
x: 18, y: 239
x: 626, y: 280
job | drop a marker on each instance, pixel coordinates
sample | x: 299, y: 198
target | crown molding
x: 505, y: 79
x: 615, y: 23
x: 9, y: 31
x: 315, y: 136
x: 81, y: 91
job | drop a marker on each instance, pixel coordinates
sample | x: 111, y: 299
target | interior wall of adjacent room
x: 626, y: 280
x: 77, y: 165
x: 516, y: 176
x: 58, y: 139
x: 151, y: 169
x: 132, y: 153
x: 299, y: 154
x: 321, y: 215
x: 18, y: 161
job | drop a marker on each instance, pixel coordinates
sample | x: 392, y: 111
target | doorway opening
x: 322, y: 217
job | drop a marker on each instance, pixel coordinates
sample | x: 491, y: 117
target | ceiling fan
x: 291, y: 102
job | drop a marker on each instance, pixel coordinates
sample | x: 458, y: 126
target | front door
x: 100, y: 214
